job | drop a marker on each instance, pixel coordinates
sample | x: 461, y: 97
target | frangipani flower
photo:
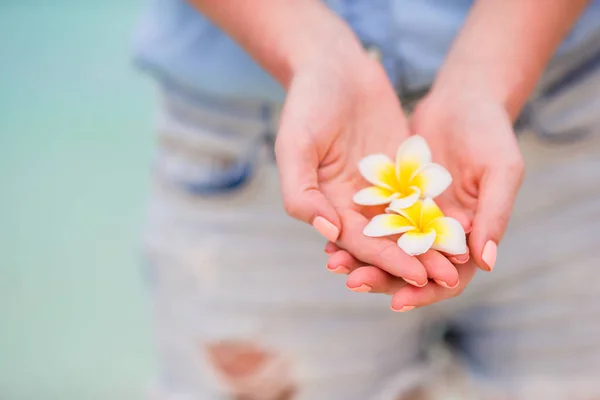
x: 423, y: 226
x: 413, y: 176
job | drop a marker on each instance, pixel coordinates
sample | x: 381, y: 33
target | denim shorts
x: 245, y: 309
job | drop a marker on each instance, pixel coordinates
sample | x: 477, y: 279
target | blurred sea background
x: 76, y: 138
x: 75, y: 144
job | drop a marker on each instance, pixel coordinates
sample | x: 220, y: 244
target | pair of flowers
x: 408, y: 187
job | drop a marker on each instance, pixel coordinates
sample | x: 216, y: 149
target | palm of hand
x: 332, y: 125
x: 475, y: 141
x: 476, y: 144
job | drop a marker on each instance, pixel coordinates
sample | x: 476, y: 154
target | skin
x: 467, y: 119
x: 341, y: 107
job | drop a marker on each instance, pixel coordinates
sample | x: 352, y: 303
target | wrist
x: 487, y: 83
x: 455, y: 111
x: 285, y: 36
x: 331, y: 46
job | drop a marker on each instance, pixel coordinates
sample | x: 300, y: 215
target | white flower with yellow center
x: 413, y: 176
x: 423, y: 226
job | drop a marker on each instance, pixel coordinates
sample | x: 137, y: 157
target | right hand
x: 341, y: 107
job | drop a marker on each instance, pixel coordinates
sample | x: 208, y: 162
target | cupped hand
x: 473, y: 138
x: 362, y: 277
x: 339, y: 109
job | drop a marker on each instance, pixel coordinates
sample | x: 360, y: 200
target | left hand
x: 473, y: 138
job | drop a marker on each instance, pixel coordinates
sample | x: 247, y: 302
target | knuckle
x: 388, y: 253
x: 293, y: 206
x: 516, y: 166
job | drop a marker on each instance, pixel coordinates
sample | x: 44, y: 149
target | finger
x: 298, y: 161
x: 379, y: 252
x: 341, y: 262
x: 374, y: 280
x: 459, y: 259
x: 410, y: 297
x: 498, y: 191
x: 440, y: 269
x: 331, y: 248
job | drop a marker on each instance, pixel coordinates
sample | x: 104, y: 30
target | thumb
x: 298, y: 163
x: 497, y: 193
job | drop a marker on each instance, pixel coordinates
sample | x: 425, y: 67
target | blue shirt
x: 179, y: 46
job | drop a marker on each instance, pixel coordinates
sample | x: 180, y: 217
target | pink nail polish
x: 362, y: 288
x: 339, y: 270
x: 444, y: 284
x: 460, y: 259
x: 403, y: 309
x: 330, y: 248
x: 415, y: 283
x: 326, y: 228
x: 490, y: 252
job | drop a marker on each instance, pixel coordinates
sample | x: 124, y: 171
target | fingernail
x: 326, y: 228
x: 403, y: 309
x: 444, y: 284
x: 460, y: 259
x: 415, y: 283
x: 490, y: 251
x: 339, y: 270
x: 361, y: 289
x: 330, y: 248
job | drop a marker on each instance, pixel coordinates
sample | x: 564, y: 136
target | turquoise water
x: 75, y: 143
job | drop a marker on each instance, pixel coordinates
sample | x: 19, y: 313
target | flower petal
x: 379, y: 170
x: 432, y: 179
x: 415, y: 243
x: 407, y: 201
x: 412, y: 154
x: 412, y: 213
x: 374, y: 196
x: 450, y: 236
x: 387, y: 224
x: 429, y: 212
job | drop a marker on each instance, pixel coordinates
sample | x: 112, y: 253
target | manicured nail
x: 460, y: 259
x: 330, y: 248
x: 403, y: 309
x: 415, y: 283
x: 326, y: 228
x: 444, y: 284
x: 490, y: 251
x: 362, y: 288
x: 339, y: 270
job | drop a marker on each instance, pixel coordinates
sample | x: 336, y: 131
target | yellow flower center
x: 404, y: 178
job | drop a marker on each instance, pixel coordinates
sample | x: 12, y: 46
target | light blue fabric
x: 181, y: 47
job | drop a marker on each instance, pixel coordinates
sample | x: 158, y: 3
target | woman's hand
x: 363, y: 277
x: 339, y: 109
x: 472, y: 136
